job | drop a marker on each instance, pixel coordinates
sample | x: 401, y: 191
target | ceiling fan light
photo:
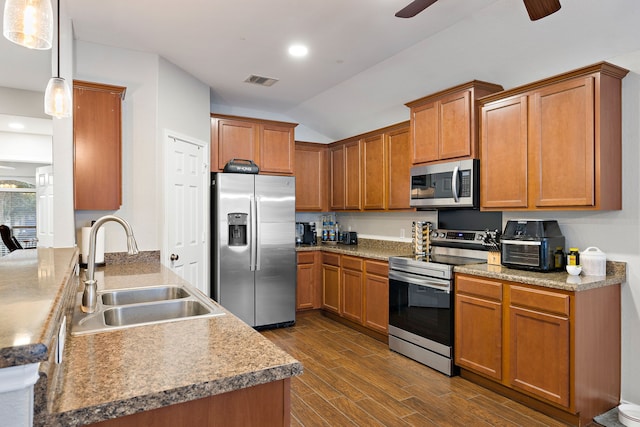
x: 57, y: 98
x: 29, y: 23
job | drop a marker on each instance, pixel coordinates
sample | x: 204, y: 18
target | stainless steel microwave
x: 446, y: 185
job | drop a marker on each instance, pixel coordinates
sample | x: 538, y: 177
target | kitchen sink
x: 139, y: 295
x: 126, y: 308
x: 149, y: 313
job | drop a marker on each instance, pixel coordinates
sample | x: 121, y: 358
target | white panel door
x: 185, y: 182
x: 44, y: 206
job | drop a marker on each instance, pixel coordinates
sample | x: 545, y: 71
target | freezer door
x: 275, y: 257
x: 234, y: 280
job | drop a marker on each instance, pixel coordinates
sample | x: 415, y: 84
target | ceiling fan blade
x: 414, y: 8
x: 540, y: 8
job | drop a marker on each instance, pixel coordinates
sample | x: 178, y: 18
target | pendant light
x: 28, y: 23
x: 57, y: 96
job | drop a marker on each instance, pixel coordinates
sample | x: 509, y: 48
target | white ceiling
x: 363, y: 62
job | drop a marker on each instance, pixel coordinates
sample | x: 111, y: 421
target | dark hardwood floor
x: 351, y: 379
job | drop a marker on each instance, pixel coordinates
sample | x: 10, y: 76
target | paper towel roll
x: 86, y: 231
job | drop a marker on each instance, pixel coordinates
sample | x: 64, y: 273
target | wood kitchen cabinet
x: 351, y: 283
x: 269, y: 144
x: 554, y: 144
x: 444, y: 126
x: 308, y: 289
x: 97, y: 146
x: 375, y: 163
x: 478, y: 325
x: 331, y: 273
x: 345, y: 176
x: 376, y: 296
x: 312, y: 173
x: 557, y: 351
x: 399, y: 167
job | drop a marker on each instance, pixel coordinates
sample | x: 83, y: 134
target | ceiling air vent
x: 260, y: 80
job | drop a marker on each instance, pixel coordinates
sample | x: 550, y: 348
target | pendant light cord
x: 58, y: 13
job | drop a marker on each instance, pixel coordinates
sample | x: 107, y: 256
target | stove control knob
x: 441, y: 235
x: 480, y: 236
x: 434, y: 234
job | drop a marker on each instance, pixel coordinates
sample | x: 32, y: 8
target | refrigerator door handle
x: 258, y: 240
x: 252, y: 235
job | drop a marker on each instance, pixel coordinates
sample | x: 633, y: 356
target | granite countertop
x: 32, y: 296
x: 616, y: 274
x: 366, y: 248
x: 116, y: 373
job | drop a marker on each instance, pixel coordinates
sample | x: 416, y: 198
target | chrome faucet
x: 90, y: 294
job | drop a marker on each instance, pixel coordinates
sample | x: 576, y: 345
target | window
x: 18, y: 211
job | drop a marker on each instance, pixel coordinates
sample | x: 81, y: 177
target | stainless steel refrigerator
x: 253, y: 272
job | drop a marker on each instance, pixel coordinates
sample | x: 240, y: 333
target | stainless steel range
x: 421, y: 297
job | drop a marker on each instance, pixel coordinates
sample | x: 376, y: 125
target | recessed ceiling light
x: 298, y: 50
x: 16, y: 125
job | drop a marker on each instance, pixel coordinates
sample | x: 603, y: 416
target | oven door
x: 422, y: 306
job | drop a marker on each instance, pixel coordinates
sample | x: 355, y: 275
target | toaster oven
x: 531, y: 244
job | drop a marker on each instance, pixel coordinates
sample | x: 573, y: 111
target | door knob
x: 174, y: 257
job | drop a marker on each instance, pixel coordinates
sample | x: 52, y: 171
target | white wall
x: 19, y: 147
x: 20, y: 102
x: 617, y: 233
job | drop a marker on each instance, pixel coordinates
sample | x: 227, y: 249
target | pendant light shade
x: 29, y: 23
x: 57, y: 98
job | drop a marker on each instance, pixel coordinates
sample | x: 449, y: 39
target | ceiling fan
x: 537, y: 9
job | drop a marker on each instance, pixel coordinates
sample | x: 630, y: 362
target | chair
x: 8, y: 239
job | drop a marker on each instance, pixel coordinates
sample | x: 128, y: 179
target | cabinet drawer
x: 546, y: 301
x: 306, y: 257
x: 479, y: 287
x: 352, y: 263
x: 375, y: 267
x: 331, y: 259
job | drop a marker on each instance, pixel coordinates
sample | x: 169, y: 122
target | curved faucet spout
x: 89, y: 296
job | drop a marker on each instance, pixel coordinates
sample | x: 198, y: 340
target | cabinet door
x: 376, y: 296
x: 306, y: 281
x: 331, y: 288
x: 351, y: 304
x: 478, y: 325
x: 97, y: 141
x: 311, y: 177
x: 233, y: 139
x: 503, y: 154
x: 337, y: 178
x: 455, y: 126
x: 353, y: 175
x: 539, y: 343
x: 424, y: 133
x: 562, y: 135
x: 375, y: 176
x: 398, y: 145
x: 276, y: 149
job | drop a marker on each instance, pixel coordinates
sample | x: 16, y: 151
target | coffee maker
x: 305, y: 233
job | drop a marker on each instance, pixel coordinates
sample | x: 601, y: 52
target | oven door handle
x: 413, y: 279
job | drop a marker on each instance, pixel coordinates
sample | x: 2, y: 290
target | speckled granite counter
x: 117, y: 373
x: 616, y: 274
x: 366, y: 248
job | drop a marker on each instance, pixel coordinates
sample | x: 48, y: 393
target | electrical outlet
x: 402, y: 232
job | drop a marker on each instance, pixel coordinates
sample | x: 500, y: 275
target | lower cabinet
x: 308, y: 290
x: 558, y: 351
x: 357, y: 289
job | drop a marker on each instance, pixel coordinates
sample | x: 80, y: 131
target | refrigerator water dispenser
x: 237, y: 229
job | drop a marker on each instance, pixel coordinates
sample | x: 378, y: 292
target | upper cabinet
x: 312, y: 171
x: 268, y: 143
x: 345, y: 175
x: 554, y: 144
x: 97, y: 146
x: 444, y: 125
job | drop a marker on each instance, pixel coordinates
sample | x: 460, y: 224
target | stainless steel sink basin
x: 149, y: 313
x: 126, y: 308
x: 140, y: 295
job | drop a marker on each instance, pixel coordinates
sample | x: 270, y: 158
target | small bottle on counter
x: 559, y: 258
x: 574, y: 257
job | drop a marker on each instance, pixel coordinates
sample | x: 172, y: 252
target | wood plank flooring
x: 351, y: 379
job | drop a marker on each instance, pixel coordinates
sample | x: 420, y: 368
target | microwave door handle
x: 454, y: 185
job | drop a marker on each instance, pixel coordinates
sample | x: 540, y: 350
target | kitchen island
x: 200, y: 371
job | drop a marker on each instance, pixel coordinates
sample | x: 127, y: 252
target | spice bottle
x: 559, y: 258
x: 574, y: 257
